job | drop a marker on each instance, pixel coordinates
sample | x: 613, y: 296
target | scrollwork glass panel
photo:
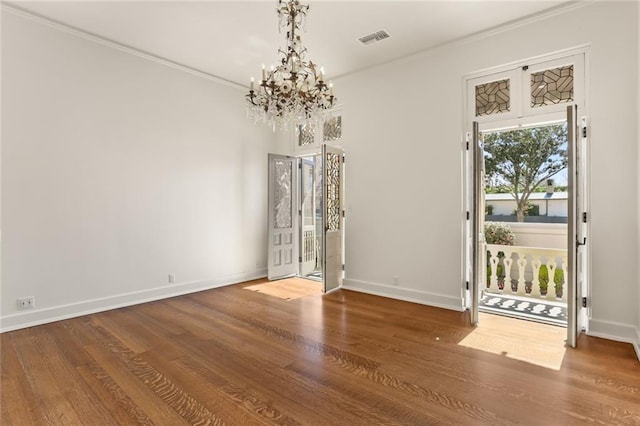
x: 333, y: 191
x: 282, y: 192
x: 493, y: 98
x: 306, y: 134
x: 333, y: 128
x: 553, y: 86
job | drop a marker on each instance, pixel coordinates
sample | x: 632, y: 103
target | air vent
x: 374, y: 37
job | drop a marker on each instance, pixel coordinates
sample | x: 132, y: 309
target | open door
x: 333, y: 169
x: 282, y: 216
x: 478, y: 248
x: 577, y: 225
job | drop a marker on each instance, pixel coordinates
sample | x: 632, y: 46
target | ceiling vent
x: 374, y: 37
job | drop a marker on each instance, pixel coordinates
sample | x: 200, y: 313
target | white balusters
x: 493, y: 281
x: 535, y: 283
x: 525, y: 263
x: 508, y: 261
x: 551, y: 285
x: 522, y: 264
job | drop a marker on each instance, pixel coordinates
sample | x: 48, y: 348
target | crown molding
x: 558, y: 10
x: 18, y: 11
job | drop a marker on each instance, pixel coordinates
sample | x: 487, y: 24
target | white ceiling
x: 231, y: 39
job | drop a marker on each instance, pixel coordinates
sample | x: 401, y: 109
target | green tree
x: 522, y: 159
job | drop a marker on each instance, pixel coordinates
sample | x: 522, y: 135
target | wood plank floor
x: 239, y: 357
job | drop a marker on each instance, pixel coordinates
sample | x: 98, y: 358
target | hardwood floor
x: 233, y: 356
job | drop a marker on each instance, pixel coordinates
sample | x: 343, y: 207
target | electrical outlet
x: 172, y: 278
x: 26, y: 302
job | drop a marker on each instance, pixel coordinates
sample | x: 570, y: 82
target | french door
x: 577, y: 248
x: 478, y: 245
x: 282, y: 215
x: 292, y: 246
x: 333, y: 217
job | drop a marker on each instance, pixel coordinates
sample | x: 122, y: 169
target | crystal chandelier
x: 295, y: 90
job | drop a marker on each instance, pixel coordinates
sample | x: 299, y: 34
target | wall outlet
x: 395, y: 280
x: 26, y: 302
x: 172, y: 278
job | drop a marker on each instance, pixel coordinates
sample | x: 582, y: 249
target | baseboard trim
x: 616, y: 331
x: 406, y: 294
x: 62, y: 312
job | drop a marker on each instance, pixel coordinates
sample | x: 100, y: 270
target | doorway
x: 311, y: 214
x: 544, y: 284
x: 525, y: 198
x: 306, y: 217
x: 530, y: 96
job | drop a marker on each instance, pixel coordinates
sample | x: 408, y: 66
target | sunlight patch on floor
x: 288, y: 289
x: 527, y: 341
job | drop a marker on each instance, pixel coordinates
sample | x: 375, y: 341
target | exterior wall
x: 507, y: 207
x: 403, y: 129
x: 116, y: 172
x: 543, y: 235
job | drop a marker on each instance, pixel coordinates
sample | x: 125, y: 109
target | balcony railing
x: 516, y: 270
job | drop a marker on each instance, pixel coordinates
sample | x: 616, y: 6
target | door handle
x: 583, y: 243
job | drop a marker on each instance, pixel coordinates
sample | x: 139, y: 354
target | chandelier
x: 295, y: 90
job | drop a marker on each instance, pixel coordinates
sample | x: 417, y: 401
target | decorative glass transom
x: 493, y: 98
x: 333, y: 191
x: 333, y: 128
x: 282, y: 177
x: 306, y: 134
x: 550, y: 87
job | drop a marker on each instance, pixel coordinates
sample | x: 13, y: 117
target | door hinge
x: 300, y: 259
x: 468, y: 215
x: 344, y: 213
x: 467, y: 285
x: 584, y: 132
x: 300, y: 165
x: 584, y: 302
x: 299, y: 212
x: 584, y: 217
x: 467, y: 145
x: 344, y: 159
x: 343, y: 266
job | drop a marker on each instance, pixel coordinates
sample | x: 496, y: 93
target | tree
x: 522, y: 159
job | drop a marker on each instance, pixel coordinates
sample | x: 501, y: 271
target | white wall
x: 402, y: 127
x: 544, y: 235
x: 117, y: 171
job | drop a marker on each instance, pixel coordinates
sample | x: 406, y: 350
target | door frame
x: 526, y: 117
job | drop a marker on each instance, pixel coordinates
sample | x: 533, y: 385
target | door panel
x: 577, y: 238
x: 572, y: 236
x: 333, y: 168
x: 478, y: 256
x: 581, y: 227
x: 282, y: 217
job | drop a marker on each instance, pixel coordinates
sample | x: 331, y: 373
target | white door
x: 478, y: 255
x: 282, y: 217
x: 577, y: 225
x: 333, y: 173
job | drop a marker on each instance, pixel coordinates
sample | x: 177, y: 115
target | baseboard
x: 57, y: 313
x: 406, y: 294
x: 616, y: 331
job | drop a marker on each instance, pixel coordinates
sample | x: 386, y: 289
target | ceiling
x: 232, y: 39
